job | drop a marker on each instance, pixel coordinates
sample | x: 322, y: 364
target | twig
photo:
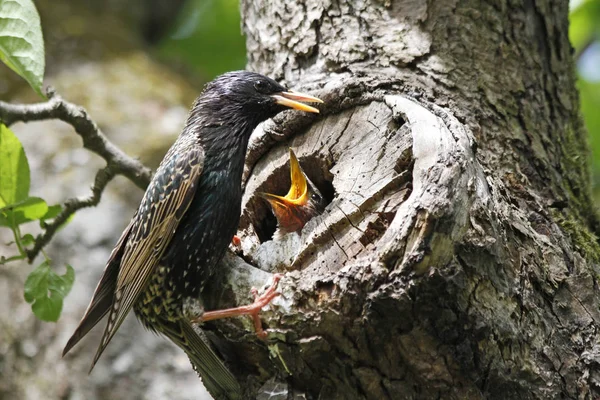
x: 93, y: 138
x: 103, y: 176
x: 117, y: 162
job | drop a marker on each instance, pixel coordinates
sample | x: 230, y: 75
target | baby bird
x: 302, y: 202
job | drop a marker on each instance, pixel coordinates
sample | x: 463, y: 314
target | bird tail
x: 217, y: 379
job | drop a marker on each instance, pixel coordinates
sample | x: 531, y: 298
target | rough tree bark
x: 457, y: 257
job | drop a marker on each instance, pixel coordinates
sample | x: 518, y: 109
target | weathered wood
x: 457, y: 257
x: 462, y: 263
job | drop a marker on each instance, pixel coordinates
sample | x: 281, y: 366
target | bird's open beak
x: 292, y: 99
x: 297, y: 196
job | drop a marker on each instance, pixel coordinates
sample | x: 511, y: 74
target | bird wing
x: 164, y: 204
x: 103, y: 295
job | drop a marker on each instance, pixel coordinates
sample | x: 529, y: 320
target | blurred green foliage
x: 207, y: 37
x: 584, y: 33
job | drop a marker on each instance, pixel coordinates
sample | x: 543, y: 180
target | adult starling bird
x: 302, y: 202
x: 185, y: 222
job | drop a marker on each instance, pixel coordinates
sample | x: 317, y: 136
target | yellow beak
x: 292, y: 99
x: 298, y: 193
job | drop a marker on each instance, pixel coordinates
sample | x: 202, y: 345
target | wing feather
x: 164, y: 204
x: 103, y: 295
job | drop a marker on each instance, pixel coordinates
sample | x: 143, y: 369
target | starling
x: 185, y: 222
x: 302, y: 202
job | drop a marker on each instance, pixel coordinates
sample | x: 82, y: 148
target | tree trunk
x: 457, y: 256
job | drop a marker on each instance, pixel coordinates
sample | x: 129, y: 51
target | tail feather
x: 99, y: 305
x: 103, y: 295
x: 96, y: 312
x: 217, y: 379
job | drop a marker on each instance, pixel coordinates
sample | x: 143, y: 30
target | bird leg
x: 251, y: 309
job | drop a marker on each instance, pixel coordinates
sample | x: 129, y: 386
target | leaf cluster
x: 22, y: 50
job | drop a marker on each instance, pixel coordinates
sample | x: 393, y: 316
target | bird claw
x: 252, y: 310
x: 262, y: 301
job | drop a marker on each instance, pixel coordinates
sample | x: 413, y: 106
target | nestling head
x: 302, y: 202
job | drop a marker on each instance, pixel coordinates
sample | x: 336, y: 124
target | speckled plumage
x: 184, y: 224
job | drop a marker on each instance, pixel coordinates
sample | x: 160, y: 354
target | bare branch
x: 103, y: 176
x: 117, y: 162
x: 93, y: 138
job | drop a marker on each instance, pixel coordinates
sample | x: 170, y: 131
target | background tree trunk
x: 457, y: 256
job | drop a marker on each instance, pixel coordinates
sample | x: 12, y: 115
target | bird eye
x: 316, y: 197
x: 260, y: 86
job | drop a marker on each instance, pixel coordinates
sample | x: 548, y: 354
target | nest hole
x: 315, y: 168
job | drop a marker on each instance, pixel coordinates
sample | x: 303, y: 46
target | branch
x: 103, y: 176
x: 117, y: 162
x: 93, y: 138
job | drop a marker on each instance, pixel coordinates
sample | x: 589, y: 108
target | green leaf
x: 21, y: 41
x: 52, y: 212
x: 48, y: 308
x: 27, y: 239
x: 30, y: 209
x: 46, y: 290
x: 14, y: 168
x: 61, y: 284
x: 36, y: 284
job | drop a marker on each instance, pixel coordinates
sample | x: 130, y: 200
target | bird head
x: 251, y: 94
x: 302, y: 202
